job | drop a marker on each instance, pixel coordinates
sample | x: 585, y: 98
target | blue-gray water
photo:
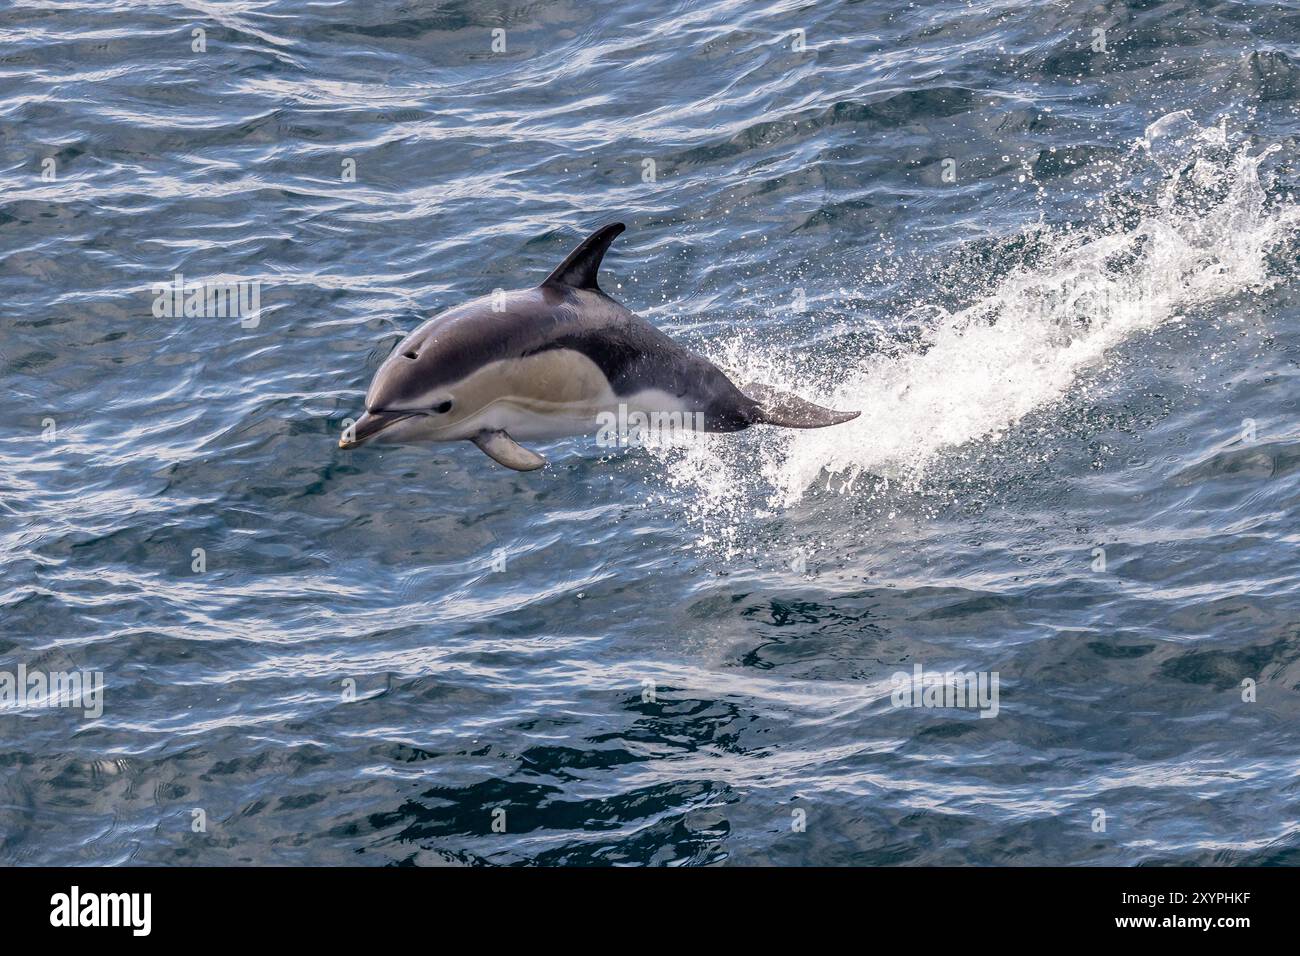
x: 1078, y: 465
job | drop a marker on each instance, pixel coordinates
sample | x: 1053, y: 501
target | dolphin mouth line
x: 371, y: 424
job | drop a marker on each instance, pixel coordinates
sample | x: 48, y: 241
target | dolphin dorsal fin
x: 578, y: 271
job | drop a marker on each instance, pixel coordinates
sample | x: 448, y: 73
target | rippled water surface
x: 1049, y: 249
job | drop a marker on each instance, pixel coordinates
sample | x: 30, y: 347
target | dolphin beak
x: 368, y: 426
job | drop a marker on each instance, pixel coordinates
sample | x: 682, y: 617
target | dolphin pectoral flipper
x: 504, y: 450
x: 776, y: 407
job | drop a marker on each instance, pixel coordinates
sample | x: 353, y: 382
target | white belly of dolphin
x: 553, y: 394
x: 531, y: 421
x: 528, y: 419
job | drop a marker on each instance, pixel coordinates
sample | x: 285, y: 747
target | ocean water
x: 1048, y: 249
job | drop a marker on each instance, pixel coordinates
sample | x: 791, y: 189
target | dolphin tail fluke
x: 504, y: 450
x: 776, y: 407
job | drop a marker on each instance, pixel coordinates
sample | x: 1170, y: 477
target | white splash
x: 978, y: 371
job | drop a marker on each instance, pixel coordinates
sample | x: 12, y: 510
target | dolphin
x: 555, y: 360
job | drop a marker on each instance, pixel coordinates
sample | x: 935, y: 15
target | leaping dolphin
x: 548, y: 362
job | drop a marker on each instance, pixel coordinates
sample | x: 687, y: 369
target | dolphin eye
x: 443, y: 408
